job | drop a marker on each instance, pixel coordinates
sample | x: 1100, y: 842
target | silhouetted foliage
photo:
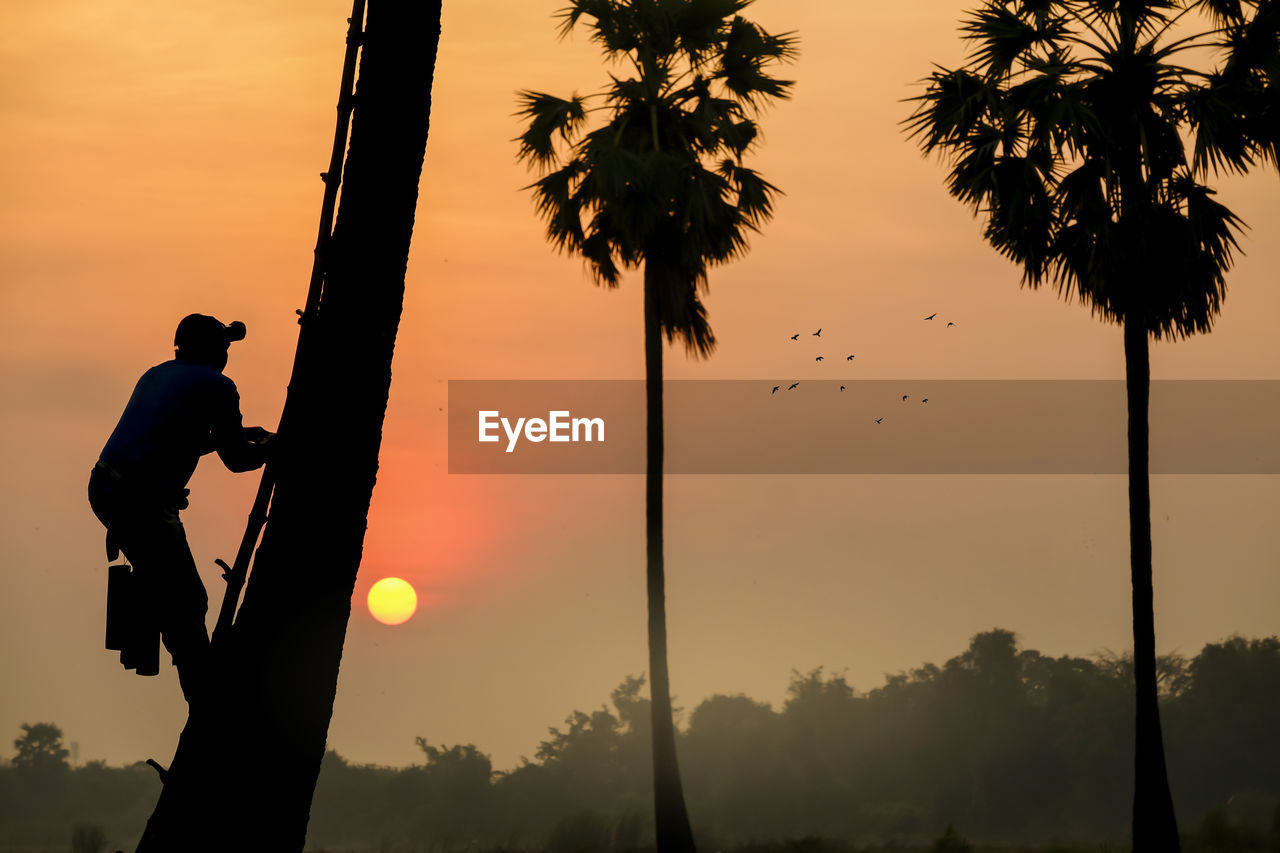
x: 1004, y: 744
x: 40, y: 748
x: 115, y: 800
x: 41, y: 759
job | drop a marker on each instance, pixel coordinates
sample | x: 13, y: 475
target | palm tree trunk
x: 244, y: 776
x: 1155, y: 828
x: 671, y: 818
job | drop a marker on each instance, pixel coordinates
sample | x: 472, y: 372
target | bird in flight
x: 904, y: 396
x: 925, y: 400
x: 949, y: 325
x: 796, y: 336
x: 849, y: 358
x: 818, y: 333
x: 792, y: 386
x: 775, y: 390
x: 931, y: 316
x: 878, y: 420
x: 819, y: 358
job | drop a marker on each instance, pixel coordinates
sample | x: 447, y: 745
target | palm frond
x: 559, y: 205
x: 1221, y: 11
x: 695, y: 329
x: 699, y: 25
x: 1222, y: 139
x: 754, y: 194
x: 1161, y: 145
x: 1253, y: 45
x: 1095, y: 23
x: 1003, y: 37
x: 1131, y: 18
x: 748, y: 51
x: 628, y: 93
x: 682, y: 316
x: 952, y: 106
x: 1080, y: 195
x: 1213, y: 226
x: 972, y: 177
x: 598, y: 255
x: 612, y: 25
x: 709, y: 219
x: 1020, y: 221
x: 548, y: 117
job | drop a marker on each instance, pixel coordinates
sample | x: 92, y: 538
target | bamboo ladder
x: 236, y: 574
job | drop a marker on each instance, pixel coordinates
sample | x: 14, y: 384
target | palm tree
x: 247, y: 762
x: 1065, y: 130
x: 660, y: 184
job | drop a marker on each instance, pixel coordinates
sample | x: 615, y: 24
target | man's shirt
x: 179, y: 411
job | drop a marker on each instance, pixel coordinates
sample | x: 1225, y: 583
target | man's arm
x: 240, y: 448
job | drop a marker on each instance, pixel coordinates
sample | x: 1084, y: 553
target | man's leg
x: 178, y: 597
x: 182, y: 622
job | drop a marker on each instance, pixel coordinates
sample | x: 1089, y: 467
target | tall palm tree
x: 1065, y: 130
x: 659, y: 183
x: 247, y: 762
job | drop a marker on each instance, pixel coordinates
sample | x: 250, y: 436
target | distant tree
x: 1066, y: 132
x: 659, y: 184
x: 988, y: 697
x: 456, y: 794
x: 40, y: 748
x: 951, y: 841
x: 817, y: 724
x: 738, y: 766
x: 88, y: 838
x: 581, y: 832
x: 41, y: 760
x: 1219, y: 726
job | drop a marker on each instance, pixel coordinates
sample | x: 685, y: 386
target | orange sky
x: 159, y: 159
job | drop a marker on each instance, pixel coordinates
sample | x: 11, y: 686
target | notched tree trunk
x: 244, y: 774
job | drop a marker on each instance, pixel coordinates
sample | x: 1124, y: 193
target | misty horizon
x: 895, y: 762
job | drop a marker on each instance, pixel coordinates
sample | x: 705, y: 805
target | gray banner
x: 941, y: 427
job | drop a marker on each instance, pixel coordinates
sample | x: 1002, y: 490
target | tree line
x: 1007, y: 744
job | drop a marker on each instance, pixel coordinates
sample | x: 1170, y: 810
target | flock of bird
x: 818, y: 334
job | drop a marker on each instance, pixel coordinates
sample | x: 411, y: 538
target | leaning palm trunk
x: 244, y: 776
x: 1155, y: 829
x: 673, y: 833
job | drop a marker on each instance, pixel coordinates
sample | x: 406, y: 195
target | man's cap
x: 197, y: 331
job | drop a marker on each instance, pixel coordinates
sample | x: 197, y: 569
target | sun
x: 392, y: 601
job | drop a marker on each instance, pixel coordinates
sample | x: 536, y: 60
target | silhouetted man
x: 179, y: 411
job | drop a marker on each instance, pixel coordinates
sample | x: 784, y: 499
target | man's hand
x: 258, y: 436
x: 248, y: 450
x: 263, y: 440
